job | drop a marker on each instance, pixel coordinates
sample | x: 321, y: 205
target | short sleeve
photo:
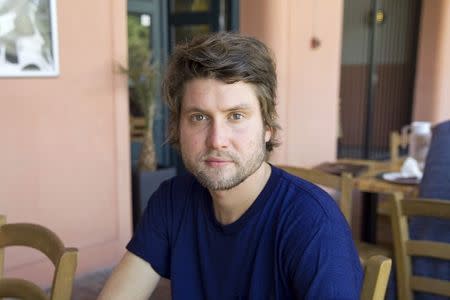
x: 323, y: 262
x: 151, y: 239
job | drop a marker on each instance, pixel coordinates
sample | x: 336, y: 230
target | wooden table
x: 370, y: 185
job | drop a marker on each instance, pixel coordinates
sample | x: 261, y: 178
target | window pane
x: 139, y: 29
x: 139, y: 45
x: 187, y: 32
x: 181, y: 6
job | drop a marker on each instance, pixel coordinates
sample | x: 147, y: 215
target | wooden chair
x: 344, y: 185
x: 138, y: 128
x: 44, y: 240
x: 404, y: 248
x: 376, y: 276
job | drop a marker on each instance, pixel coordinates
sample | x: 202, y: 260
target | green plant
x: 142, y: 77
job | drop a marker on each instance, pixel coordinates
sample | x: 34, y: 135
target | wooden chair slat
x: 34, y: 236
x: 428, y: 249
x: 430, y: 285
x: 366, y: 251
x: 22, y: 289
x: 64, y: 276
x: 420, y: 207
x: 376, y: 276
x: 138, y: 128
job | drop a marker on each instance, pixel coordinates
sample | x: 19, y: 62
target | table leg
x: 369, y: 217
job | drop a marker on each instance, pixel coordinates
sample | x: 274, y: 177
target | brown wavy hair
x: 228, y: 57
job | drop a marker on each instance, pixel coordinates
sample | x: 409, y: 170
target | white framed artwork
x: 28, y: 38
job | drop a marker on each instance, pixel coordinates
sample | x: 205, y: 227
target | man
x: 237, y: 228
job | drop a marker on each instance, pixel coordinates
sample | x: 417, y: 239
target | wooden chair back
x: 376, y: 276
x: 46, y: 241
x: 404, y: 248
x: 342, y: 184
x: 138, y: 128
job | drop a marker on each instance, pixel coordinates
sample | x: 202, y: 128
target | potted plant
x: 142, y: 76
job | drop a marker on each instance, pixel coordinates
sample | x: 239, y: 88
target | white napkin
x: 410, y: 168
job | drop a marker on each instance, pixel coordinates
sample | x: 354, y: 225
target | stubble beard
x: 219, y: 179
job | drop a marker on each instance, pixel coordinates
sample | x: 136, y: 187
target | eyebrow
x: 233, y: 108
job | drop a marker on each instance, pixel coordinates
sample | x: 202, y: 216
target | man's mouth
x: 217, y: 162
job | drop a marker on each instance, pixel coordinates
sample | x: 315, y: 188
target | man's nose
x: 218, y: 135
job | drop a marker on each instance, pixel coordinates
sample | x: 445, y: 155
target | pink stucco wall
x: 308, y: 78
x: 64, y: 151
x: 432, y: 93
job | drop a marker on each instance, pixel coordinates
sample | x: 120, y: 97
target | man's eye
x: 236, y: 116
x: 198, y: 117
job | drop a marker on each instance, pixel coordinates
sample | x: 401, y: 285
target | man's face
x: 222, y: 135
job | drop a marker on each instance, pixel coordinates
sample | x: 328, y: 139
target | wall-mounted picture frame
x: 28, y: 38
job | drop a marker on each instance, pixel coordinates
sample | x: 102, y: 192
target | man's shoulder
x: 303, y: 196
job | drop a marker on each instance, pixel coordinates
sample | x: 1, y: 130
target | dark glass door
x: 188, y: 18
x: 377, y: 74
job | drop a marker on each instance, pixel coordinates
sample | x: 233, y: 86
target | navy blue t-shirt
x: 292, y: 243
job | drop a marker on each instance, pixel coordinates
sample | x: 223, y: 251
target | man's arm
x: 133, y: 278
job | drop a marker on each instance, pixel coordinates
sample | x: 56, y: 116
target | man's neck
x: 231, y: 204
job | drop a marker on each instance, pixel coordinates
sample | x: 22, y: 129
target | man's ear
x: 267, y: 134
